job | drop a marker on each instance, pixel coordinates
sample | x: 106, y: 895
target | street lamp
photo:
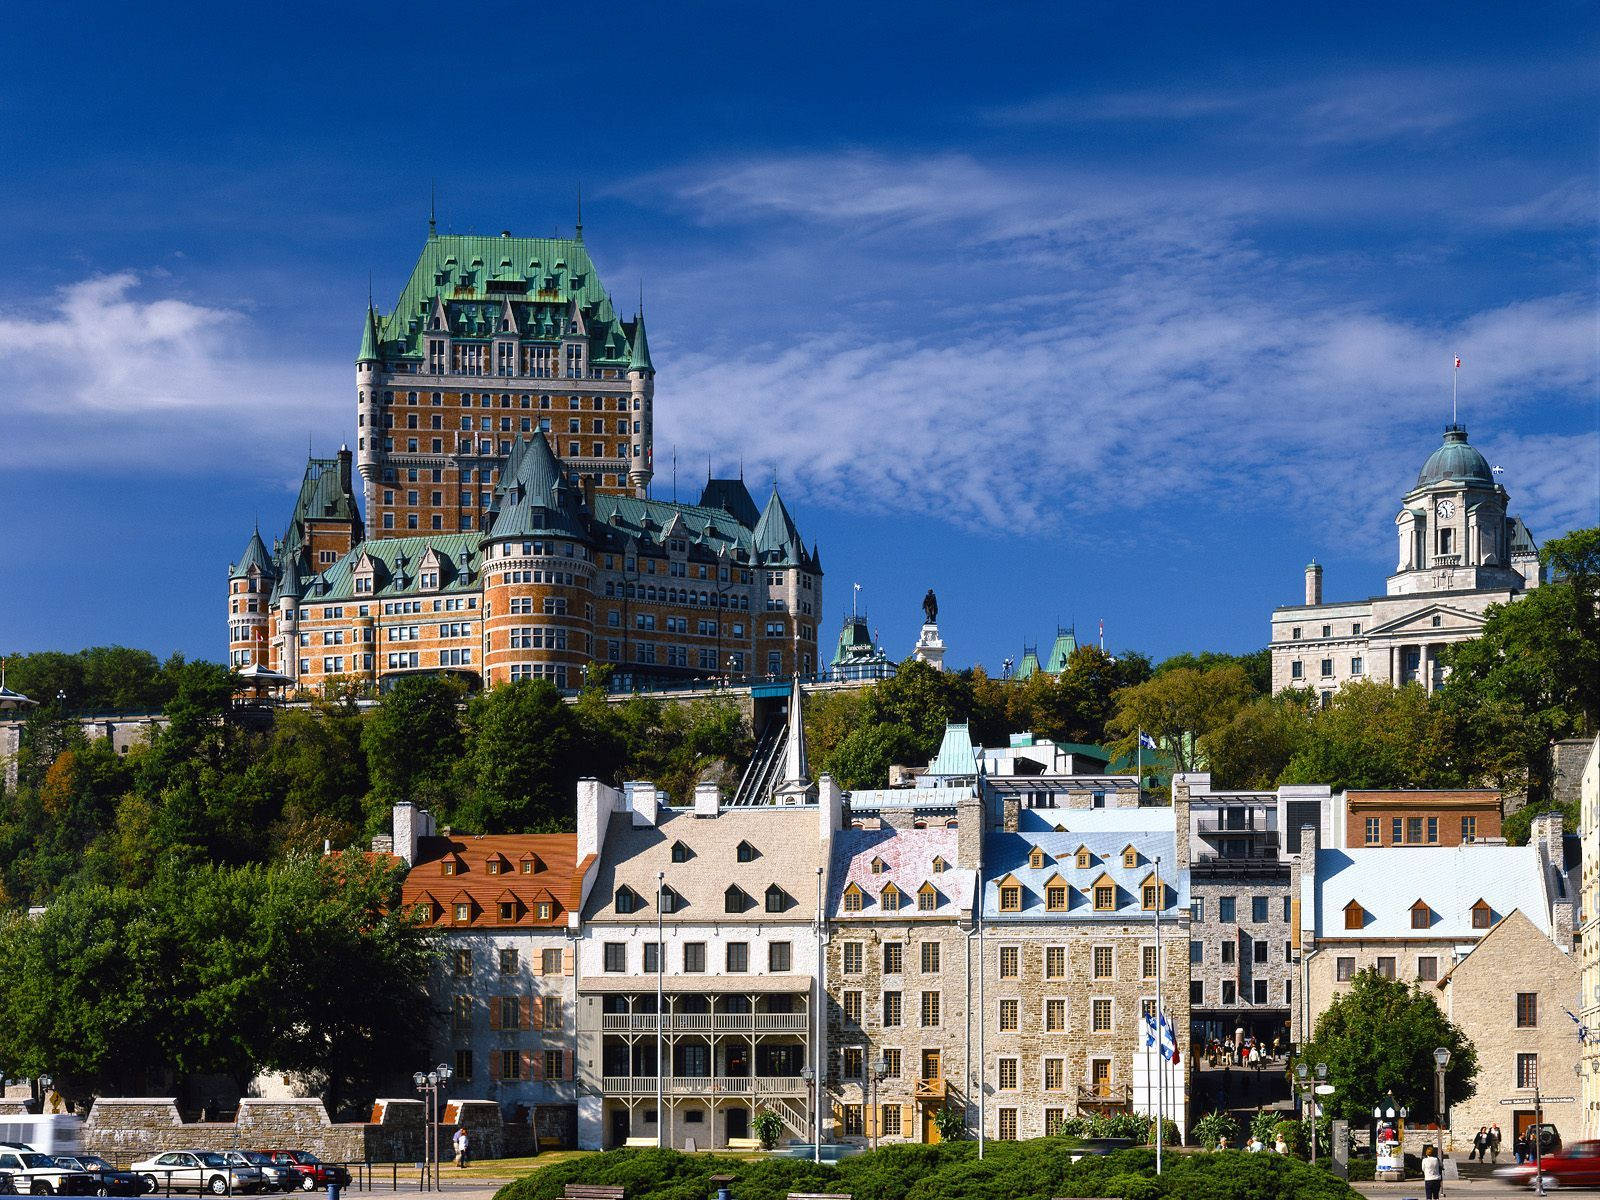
x: 661, y: 1116
x: 45, y: 1083
x: 429, y: 1083
x: 1441, y: 1060
x: 1322, y: 1075
x: 880, y: 1071
x: 809, y: 1074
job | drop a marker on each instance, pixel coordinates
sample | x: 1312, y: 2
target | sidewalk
x: 1477, y: 1189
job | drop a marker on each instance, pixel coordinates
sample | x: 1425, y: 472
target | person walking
x: 1519, y: 1147
x: 1494, y: 1143
x: 1432, y: 1173
x: 1480, y: 1144
x: 461, y: 1146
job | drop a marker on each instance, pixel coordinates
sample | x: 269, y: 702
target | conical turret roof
x: 369, y: 337
x: 639, y: 360
x: 776, y: 537
x: 537, y: 500
x: 255, y: 555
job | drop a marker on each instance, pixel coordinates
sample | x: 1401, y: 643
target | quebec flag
x: 1146, y: 741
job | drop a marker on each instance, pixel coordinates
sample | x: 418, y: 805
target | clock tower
x: 1454, y: 534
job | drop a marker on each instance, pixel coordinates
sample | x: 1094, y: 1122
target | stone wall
x: 124, y: 1129
x: 1567, y: 760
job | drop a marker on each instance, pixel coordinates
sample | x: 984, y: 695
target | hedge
x: 1032, y: 1170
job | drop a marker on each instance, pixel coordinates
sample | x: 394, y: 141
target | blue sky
x: 1073, y: 312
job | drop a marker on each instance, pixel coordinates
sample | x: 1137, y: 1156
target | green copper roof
x: 639, y: 358
x: 535, y: 498
x: 1066, y: 642
x: 397, y: 564
x: 255, y: 556
x: 369, y: 338
x: 1456, y: 462
x: 956, y: 756
x: 777, y: 539
x: 856, y: 647
x: 545, y: 280
x: 733, y: 497
x: 1029, y: 666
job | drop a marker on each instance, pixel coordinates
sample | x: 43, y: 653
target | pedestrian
x: 1480, y: 1145
x: 1277, y: 1045
x: 1519, y: 1147
x: 461, y: 1146
x: 1494, y: 1143
x: 1432, y: 1173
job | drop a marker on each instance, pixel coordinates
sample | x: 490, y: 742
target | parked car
x: 41, y: 1175
x: 314, y: 1173
x: 285, y: 1177
x: 197, y: 1171
x: 108, y: 1181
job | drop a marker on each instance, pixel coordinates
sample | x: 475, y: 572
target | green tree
x: 1379, y: 1037
x: 1257, y: 665
x: 1178, y: 706
x: 317, y: 774
x: 1372, y: 735
x: 863, y: 759
x: 1252, y: 749
x: 522, y: 761
x: 414, y: 740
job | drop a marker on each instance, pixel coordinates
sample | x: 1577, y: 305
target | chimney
x: 588, y: 494
x: 1314, y: 582
x: 1180, y: 820
x: 707, y: 799
x: 345, y: 483
x: 969, y: 832
x: 596, y: 803
x: 645, y: 804
x: 406, y: 831
x: 830, y: 806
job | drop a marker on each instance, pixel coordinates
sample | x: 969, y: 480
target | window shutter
x: 566, y: 1067
x: 539, y: 1006
x: 531, y: 1068
x: 494, y: 1070
x: 525, y: 1014
x: 871, y: 1122
x: 566, y: 961
x: 494, y: 1012
x: 908, y: 1116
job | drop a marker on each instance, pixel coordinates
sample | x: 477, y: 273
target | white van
x: 58, y: 1133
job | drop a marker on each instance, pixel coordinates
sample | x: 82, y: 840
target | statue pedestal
x: 929, y: 647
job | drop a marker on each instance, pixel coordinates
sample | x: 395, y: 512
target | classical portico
x: 1458, y: 553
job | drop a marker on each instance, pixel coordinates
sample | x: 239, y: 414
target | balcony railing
x: 931, y: 1089
x: 1100, y: 1097
x: 1263, y: 858
x: 706, y: 1023
x: 706, y: 1085
x: 1263, y: 823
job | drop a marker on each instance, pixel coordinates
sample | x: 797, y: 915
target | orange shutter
x: 908, y: 1116
x: 530, y: 1065
x: 566, y: 961
x: 566, y: 1065
x: 494, y: 1073
x: 538, y: 1014
x: 871, y: 1122
x: 494, y: 1012
x: 523, y: 1013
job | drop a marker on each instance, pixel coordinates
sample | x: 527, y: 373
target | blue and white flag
x: 1169, y: 1039
x: 1148, y: 1025
x: 1583, y: 1030
x: 1146, y: 741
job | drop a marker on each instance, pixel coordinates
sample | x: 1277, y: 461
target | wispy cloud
x: 108, y: 371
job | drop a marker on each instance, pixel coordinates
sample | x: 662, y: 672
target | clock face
x: 1447, y: 509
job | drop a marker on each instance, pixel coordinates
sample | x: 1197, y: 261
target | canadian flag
x: 1458, y: 363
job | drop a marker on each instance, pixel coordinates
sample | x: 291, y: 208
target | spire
x: 796, y: 785
x: 371, y: 339
x: 776, y: 537
x: 640, y: 357
x: 579, y: 230
x: 433, y: 224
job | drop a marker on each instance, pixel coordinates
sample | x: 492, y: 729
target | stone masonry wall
x: 127, y: 1129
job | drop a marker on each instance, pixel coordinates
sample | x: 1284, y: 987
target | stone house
x: 1511, y: 995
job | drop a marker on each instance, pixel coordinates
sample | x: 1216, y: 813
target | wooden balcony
x: 706, y: 1085
x: 931, y: 1090
x: 706, y: 1023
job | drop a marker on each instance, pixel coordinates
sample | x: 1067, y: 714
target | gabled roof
x: 1386, y: 882
x: 473, y: 883
x: 395, y: 562
x: 907, y: 856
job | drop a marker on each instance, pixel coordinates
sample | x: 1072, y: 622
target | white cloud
x: 103, y: 372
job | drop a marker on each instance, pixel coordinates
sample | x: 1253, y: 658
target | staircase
x: 791, y: 1115
x: 755, y: 785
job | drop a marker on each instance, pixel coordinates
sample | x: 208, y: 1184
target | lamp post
x: 661, y: 1115
x: 880, y: 1071
x: 821, y: 1055
x: 1441, y: 1060
x: 814, y: 1093
x: 45, y: 1084
x: 429, y: 1084
x: 1322, y: 1077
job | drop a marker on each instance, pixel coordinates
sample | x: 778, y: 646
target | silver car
x: 198, y: 1171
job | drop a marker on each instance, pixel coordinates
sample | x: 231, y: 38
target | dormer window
x: 852, y: 898
x: 680, y: 853
x: 927, y: 898
x: 879, y: 866
x: 1130, y: 857
x: 1010, y: 897
x: 447, y: 867
x: 492, y: 866
x: 628, y: 900
x: 1150, y: 897
x: 889, y: 899
x: 1421, y: 916
x: 746, y: 852
x: 1482, y: 915
x: 777, y: 899
x: 735, y: 900
x: 527, y: 865
x: 545, y: 910
x: 508, y: 910
x: 1354, y: 916
x: 671, y: 902
x: 1105, y: 894
x: 939, y: 865
x: 463, y: 913
x: 1055, y: 896
x: 1036, y: 858
x: 1084, y: 858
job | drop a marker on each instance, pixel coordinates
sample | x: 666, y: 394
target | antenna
x: 674, y: 474
x: 1454, y: 377
x: 433, y: 224
x: 579, y: 229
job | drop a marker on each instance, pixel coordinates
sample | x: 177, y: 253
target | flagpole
x: 1161, y: 1099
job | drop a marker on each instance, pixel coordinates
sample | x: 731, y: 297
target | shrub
x: 768, y: 1126
x: 1213, y: 1127
x: 951, y: 1123
x: 1293, y: 1135
x: 1136, y: 1127
x: 1262, y: 1124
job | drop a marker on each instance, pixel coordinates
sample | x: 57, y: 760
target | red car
x: 1577, y: 1165
x: 314, y: 1173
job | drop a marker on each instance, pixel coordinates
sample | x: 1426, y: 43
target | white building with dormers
x: 1459, y: 552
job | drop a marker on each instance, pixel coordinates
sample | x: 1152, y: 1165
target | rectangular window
x: 1102, y: 962
x: 1428, y: 967
x: 1197, y: 953
x: 694, y: 958
x: 1197, y: 992
x: 891, y: 1010
x: 616, y: 956
x: 1229, y: 950
x: 552, y: 1064
x: 1009, y: 957
x: 1147, y: 962
x: 1374, y: 830
x: 1414, y: 830
x: 510, y: 1064
x: 1357, y: 667
x: 1345, y: 968
x: 1397, y: 831
x: 778, y: 957
x: 1055, y: 1015
x: 1260, y: 990
x: 852, y: 958
x: 1229, y: 992
x: 1100, y: 1015
x: 1055, y: 962
x: 853, y: 1126
x: 1225, y: 910
x: 891, y: 1060
x: 1527, y: 1010
x: 1469, y: 829
x: 1007, y: 1074
x: 464, y: 1066
x: 1433, y: 831
x: 463, y: 962
x: 1008, y: 1125
x: 1527, y: 1070
x: 930, y: 1009
x: 652, y: 958
x: 1258, y: 951
x: 852, y: 1007
x: 1008, y: 1015
x: 508, y: 962
x: 854, y: 1061
x: 894, y: 954
x: 930, y: 958
x: 890, y: 1123
x: 1258, y: 909
x: 738, y: 957
x: 550, y: 962
x: 1386, y: 967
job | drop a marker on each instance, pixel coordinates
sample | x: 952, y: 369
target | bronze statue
x: 930, y: 608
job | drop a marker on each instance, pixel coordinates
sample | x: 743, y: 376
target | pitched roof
x: 255, y: 557
x: 788, y: 852
x: 1007, y: 854
x: 535, y: 498
x: 1065, y: 644
x: 777, y: 539
x: 552, y: 878
x: 907, y: 855
x: 396, y: 562
x: 956, y: 757
x: 1386, y: 881
x: 733, y: 497
x: 639, y: 353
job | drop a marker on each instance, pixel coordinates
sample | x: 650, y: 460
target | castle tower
x: 250, y: 583
x: 793, y: 585
x: 642, y: 390
x: 538, y: 575
x: 492, y: 340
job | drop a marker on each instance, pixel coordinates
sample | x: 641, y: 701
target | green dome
x: 1455, y: 462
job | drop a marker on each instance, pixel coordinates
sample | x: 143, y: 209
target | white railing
x: 706, y: 1023
x: 706, y: 1085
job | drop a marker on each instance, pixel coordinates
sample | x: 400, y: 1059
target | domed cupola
x: 1455, y: 462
